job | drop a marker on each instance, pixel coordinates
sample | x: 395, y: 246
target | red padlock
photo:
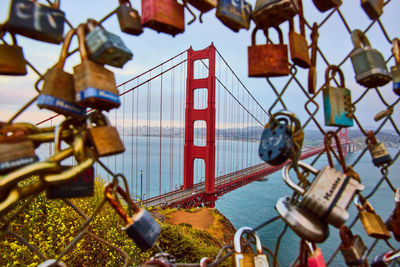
x: 315, y: 259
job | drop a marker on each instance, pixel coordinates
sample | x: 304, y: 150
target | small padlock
x: 203, y: 5
x: 379, y: 154
x: 128, y: 18
x: 270, y: 13
x: 268, y: 60
x: 94, y: 85
x: 373, y: 8
x: 371, y: 221
x: 242, y: 258
x: 104, y: 138
x: 58, y: 92
x: 37, y: 21
x: 395, y: 70
x: 324, y: 5
x: 298, y: 43
x: 385, y: 259
x: 315, y: 259
x: 394, y: 220
x: 352, y: 247
x: 337, y: 101
x: 234, y: 14
x: 141, y: 227
x: 165, y: 16
x: 12, y: 61
x: 369, y: 65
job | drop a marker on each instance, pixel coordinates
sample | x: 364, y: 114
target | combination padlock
x: 58, y: 92
x: 337, y: 101
x: 128, y: 18
x: 368, y: 63
x: 395, y: 70
x: 12, y: 61
x: 234, y: 14
x: 105, y: 47
x: 385, y: 259
x: 324, y: 5
x: 104, y: 137
x: 373, y: 8
x: 242, y: 258
x: 379, y: 154
x: 94, y: 85
x: 315, y: 258
x: 271, y: 13
x: 371, y: 221
x: 141, y: 227
x: 352, y: 247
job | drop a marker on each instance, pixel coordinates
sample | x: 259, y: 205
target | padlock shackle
x: 346, y: 236
x: 81, y: 40
x: 359, y: 39
x: 396, y: 50
x: 56, y: 4
x: 279, y: 34
x: 371, y: 138
x: 329, y: 150
x: 363, y: 204
x: 91, y: 24
x: 97, y: 116
x: 293, y: 119
x: 334, y: 69
x: 253, y: 35
x: 286, y: 177
x: 125, y: 2
x: 238, y: 236
x: 301, y: 20
x: 64, y: 50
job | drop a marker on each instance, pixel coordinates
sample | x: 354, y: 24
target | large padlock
x: 337, y: 101
x: 242, y: 258
x: 385, y: 259
x: 104, y: 137
x: 379, y: 154
x: 373, y: 8
x: 395, y: 70
x: 141, y: 227
x: 165, y: 16
x: 301, y: 221
x: 128, y: 18
x: 268, y: 60
x: 37, y: 21
x: 105, y: 47
x: 368, y: 63
x: 203, y: 5
x: 58, y: 92
x: 94, y: 85
x: 352, y: 247
x: 12, y: 61
x: 371, y: 221
x: 315, y: 259
x: 324, y: 5
x: 298, y: 43
x: 234, y: 14
x: 270, y: 13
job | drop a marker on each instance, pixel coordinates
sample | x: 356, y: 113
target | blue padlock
x: 235, y: 14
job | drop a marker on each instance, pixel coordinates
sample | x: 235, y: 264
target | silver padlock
x: 259, y: 260
x: 329, y: 194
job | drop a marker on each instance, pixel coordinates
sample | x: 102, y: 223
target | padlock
x: 301, y: 221
x: 337, y: 101
x: 128, y: 18
x: 94, y: 85
x: 395, y: 70
x: 104, y: 138
x: 352, y: 247
x: 369, y: 65
x: 234, y: 14
x: 379, y: 154
x: 371, y: 221
x: 141, y: 227
x: 373, y: 8
x: 298, y: 43
x: 105, y: 47
x: 385, y: 259
x: 166, y: 16
x: 394, y: 221
x: 12, y: 61
x: 270, y: 13
x: 58, y: 92
x: 268, y: 60
x: 37, y: 21
x: 242, y: 258
x: 203, y: 5
x: 315, y: 259
x: 15, y: 149
x: 324, y: 5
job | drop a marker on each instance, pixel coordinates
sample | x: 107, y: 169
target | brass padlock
x: 12, y: 61
x: 369, y: 65
x: 234, y: 14
x: 268, y: 60
x: 269, y: 13
x: 94, y: 85
x: 298, y: 43
x: 352, y: 247
x: 128, y: 18
x: 373, y: 8
x: 104, y: 137
x: 337, y: 101
x: 378, y: 151
x: 395, y: 70
x: 58, y: 92
x: 324, y: 5
x: 371, y: 221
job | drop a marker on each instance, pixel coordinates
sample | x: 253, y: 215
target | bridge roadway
x: 196, y: 195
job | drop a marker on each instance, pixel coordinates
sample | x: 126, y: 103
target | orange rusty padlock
x: 268, y: 60
x: 298, y: 43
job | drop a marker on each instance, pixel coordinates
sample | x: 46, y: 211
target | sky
x: 151, y: 48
